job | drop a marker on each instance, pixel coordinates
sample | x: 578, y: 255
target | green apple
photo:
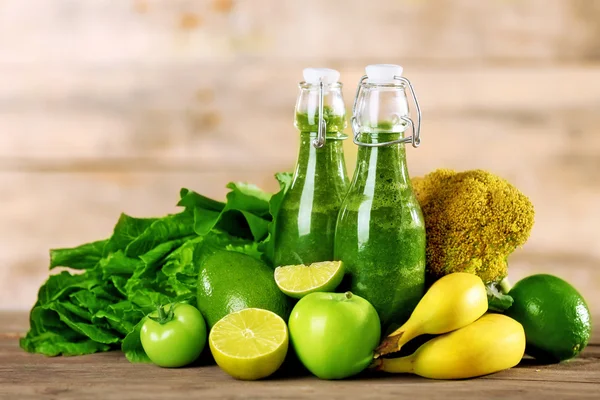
x: 334, y: 334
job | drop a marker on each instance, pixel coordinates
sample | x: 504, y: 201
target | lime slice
x: 299, y: 280
x: 249, y: 344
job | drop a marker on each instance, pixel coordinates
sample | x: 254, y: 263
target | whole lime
x: 554, y: 315
x: 229, y: 281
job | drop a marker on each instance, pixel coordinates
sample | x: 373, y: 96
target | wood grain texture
x: 158, y: 32
x: 110, y: 107
x: 110, y: 375
x: 175, y: 115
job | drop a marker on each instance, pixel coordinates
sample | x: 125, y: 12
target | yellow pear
x: 492, y: 343
x: 453, y: 301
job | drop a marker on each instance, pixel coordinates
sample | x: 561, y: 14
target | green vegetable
x: 146, y: 261
x: 498, y: 299
x: 474, y: 220
x: 174, y: 336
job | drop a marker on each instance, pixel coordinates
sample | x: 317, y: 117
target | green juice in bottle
x: 380, y: 234
x: 305, y: 226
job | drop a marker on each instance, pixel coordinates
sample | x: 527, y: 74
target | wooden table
x: 110, y: 376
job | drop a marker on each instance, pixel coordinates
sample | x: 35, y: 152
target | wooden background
x: 111, y: 106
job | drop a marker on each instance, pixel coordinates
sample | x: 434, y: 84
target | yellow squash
x: 454, y: 301
x: 492, y: 343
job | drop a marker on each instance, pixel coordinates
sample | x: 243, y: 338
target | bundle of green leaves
x: 146, y: 262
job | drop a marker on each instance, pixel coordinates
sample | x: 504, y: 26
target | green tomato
x: 334, y: 334
x: 174, y: 336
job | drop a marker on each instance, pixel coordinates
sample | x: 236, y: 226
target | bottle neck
x: 383, y: 163
x: 327, y: 160
x: 312, y: 100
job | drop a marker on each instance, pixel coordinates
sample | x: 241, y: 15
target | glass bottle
x: 380, y: 234
x: 305, y: 226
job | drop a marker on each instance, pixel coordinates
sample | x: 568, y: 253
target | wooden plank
x: 208, y: 386
x: 110, y: 375
x: 34, y: 376
x: 154, y: 31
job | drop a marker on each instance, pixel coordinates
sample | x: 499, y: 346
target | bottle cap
x: 327, y: 75
x: 383, y: 73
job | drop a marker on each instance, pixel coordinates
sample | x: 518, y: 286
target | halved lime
x: 299, y: 280
x: 249, y: 344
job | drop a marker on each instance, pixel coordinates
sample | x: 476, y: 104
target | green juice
x: 305, y: 227
x: 380, y: 233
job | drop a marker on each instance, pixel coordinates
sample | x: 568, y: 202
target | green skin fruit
x: 555, y: 317
x: 229, y: 281
x: 334, y: 334
x: 178, y: 340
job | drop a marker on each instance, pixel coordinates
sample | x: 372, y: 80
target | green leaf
x: 205, y: 220
x: 160, y: 231
x: 82, y: 257
x: 91, y: 301
x: 75, y: 310
x: 126, y: 231
x: 147, y: 261
x: 259, y: 227
x: 119, y: 282
x: 157, y: 255
x: 146, y: 297
x: 192, y: 200
x: 132, y: 345
x: 121, y: 316
x: 268, y: 245
x: 62, y: 284
x: 246, y: 213
x: 118, y: 264
x: 182, y: 259
x: 54, y: 344
x: 248, y: 197
x: 73, y: 321
x: 250, y: 248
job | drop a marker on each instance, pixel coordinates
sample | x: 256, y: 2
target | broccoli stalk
x: 505, y: 285
x: 474, y: 220
x: 498, y: 298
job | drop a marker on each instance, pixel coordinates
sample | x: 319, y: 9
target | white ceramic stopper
x: 383, y: 73
x: 327, y: 75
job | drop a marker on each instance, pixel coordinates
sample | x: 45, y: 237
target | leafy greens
x: 147, y: 261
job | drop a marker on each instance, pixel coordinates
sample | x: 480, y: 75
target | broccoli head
x: 473, y: 221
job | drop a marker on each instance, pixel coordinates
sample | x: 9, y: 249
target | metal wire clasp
x: 320, y: 140
x: 415, y: 138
